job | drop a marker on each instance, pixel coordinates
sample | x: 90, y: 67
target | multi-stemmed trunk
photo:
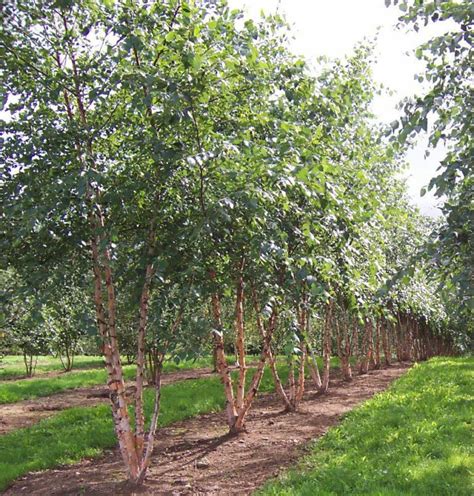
x: 266, y: 332
x: 136, y: 453
x: 30, y: 361
x: 297, y: 383
x: 239, y: 404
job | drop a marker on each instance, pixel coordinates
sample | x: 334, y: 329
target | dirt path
x: 195, y: 457
x: 28, y: 412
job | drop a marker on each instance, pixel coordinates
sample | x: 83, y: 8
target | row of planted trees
x: 211, y: 187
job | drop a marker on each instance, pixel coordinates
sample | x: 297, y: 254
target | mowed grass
x: 78, y: 433
x: 12, y: 366
x: 12, y: 391
x: 414, y: 439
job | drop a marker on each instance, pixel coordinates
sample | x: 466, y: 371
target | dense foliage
x: 445, y: 112
x: 177, y: 166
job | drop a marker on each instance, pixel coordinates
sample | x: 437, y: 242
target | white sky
x: 332, y: 28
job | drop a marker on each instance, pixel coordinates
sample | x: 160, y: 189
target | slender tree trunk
x: 214, y: 357
x: 355, y: 341
x: 370, y: 354
x: 301, y: 378
x: 102, y: 274
x: 297, y: 385
x: 141, y: 335
x: 67, y: 361
x: 291, y: 381
x: 277, y: 381
x: 310, y: 357
x: 386, y: 343
x: 313, y: 367
x: 257, y: 378
x: 240, y: 337
x: 345, y: 355
x: 327, y: 342
x: 145, y: 462
x: 364, y: 352
x: 377, y: 361
x: 113, y: 365
x: 30, y: 364
x: 398, y: 339
x: 222, y: 366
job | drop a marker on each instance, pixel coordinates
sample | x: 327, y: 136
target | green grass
x: 12, y: 391
x: 413, y: 439
x: 78, y: 433
x: 12, y: 366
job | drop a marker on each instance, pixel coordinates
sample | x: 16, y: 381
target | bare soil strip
x: 29, y: 412
x: 196, y: 457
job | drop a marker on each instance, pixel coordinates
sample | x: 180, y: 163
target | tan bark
x: 398, y: 339
x: 370, y: 351
x: 297, y: 385
x: 377, y: 359
x: 343, y: 346
x: 291, y: 382
x: 355, y: 340
x: 222, y: 366
x: 301, y: 378
x: 364, y: 351
x: 327, y: 335
x: 102, y: 272
x: 385, y: 329
x: 313, y: 367
x: 240, y: 337
x: 277, y: 381
x: 146, y: 457
x: 139, y: 413
x: 141, y: 334
x: 257, y: 378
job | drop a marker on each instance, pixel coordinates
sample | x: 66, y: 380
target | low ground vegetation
x: 12, y: 391
x: 12, y: 366
x: 416, y: 438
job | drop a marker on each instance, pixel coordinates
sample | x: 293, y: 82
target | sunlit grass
x: 12, y: 391
x: 414, y: 439
x: 12, y: 366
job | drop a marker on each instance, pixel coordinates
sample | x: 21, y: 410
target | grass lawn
x: 77, y: 433
x: 413, y: 439
x: 12, y: 366
x: 12, y: 391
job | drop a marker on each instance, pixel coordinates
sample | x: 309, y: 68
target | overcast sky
x: 332, y: 28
